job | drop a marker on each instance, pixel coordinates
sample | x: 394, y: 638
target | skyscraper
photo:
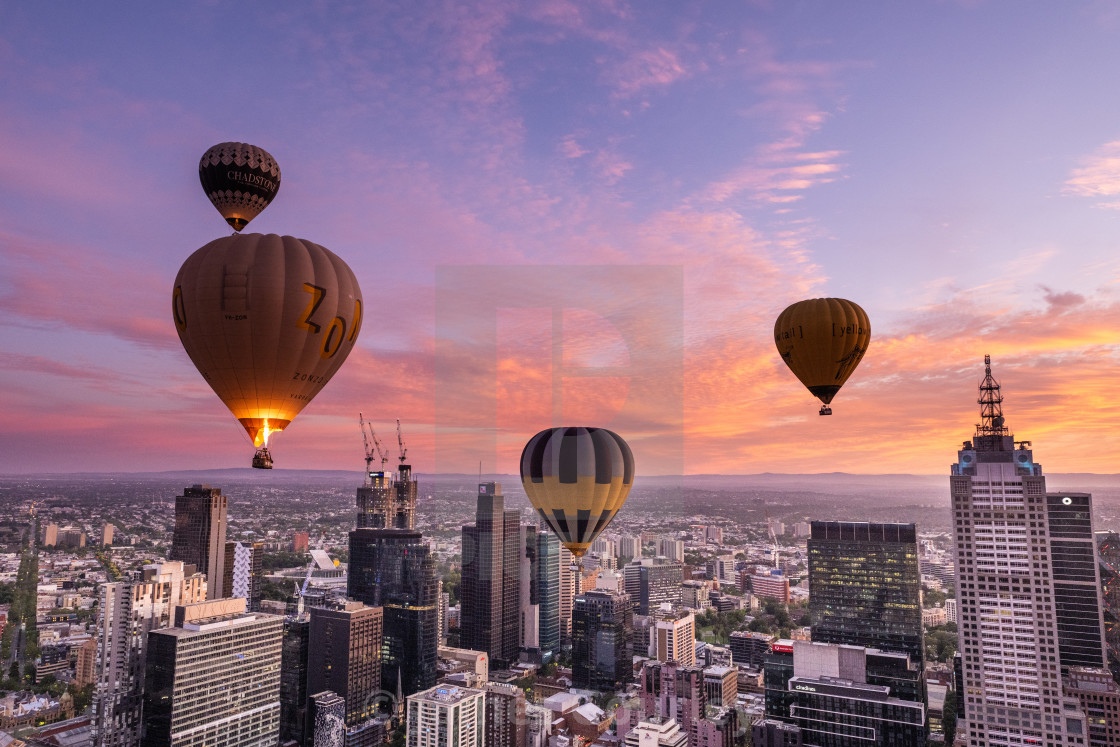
x: 491, y: 588
x: 529, y: 592
x: 1108, y: 565
x: 549, y: 572
x: 129, y: 611
x: 391, y: 567
x: 214, y: 679
x: 1012, y: 686
x: 242, y: 571
x: 601, y: 647
x: 346, y: 658
x: 394, y: 569
x: 865, y: 586
x: 200, y: 535
x: 651, y: 582
x: 1077, y: 583
x: 505, y: 715
x: 293, y: 677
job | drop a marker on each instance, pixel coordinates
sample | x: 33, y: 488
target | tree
x: 949, y: 717
x: 13, y: 671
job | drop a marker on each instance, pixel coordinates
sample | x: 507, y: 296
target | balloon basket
x: 826, y: 410
x: 262, y: 459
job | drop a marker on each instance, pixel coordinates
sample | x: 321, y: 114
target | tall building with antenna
x: 1007, y: 616
x: 392, y: 567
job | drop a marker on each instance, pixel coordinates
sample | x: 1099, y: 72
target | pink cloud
x: 1099, y: 176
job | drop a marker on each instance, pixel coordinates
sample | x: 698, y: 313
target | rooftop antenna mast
x: 400, y: 442
x: 991, y: 429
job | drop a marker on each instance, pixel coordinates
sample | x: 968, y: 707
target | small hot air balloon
x: 267, y: 320
x: 577, y: 479
x: 822, y: 340
x: 240, y: 179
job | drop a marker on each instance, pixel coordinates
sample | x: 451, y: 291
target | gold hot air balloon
x: 267, y: 320
x: 240, y: 180
x: 822, y: 340
x: 577, y: 479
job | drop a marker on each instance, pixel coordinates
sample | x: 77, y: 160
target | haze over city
x: 952, y: 167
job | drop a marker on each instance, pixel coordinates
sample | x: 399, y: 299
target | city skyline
x: 954, y: 173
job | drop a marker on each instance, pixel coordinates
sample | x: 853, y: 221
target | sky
x: 574, y: 213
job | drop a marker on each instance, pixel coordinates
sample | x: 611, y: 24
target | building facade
x: 199, y: 538
x: 190, y: 702
x: 865, y: 586
x: 346, y: 658
x: 1008, y: 632
x: 1077, y: 582
x: 447, y: 717
x: 490, y: 590
x: 601, y: 650
x: 130, y: 610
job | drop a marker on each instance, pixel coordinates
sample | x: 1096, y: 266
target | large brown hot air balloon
x: 822, y: 340
x: 267, y: 320
x: 577, y: 479
x: 240, y: 179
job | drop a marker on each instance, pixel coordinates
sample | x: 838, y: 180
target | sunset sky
x: 639, y: 188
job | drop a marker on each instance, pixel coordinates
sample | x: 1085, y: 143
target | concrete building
x: 1099, y: 697
x: 190, y: 702
x: 770, y: 586
x: 107, y: 535
x: 651, y: 582
x: 199, y: 538
x: 672, y: 549
x: 722, y: 685
x: 130, y: 610
x: 328, y: 720
x: 447, y: 717
x: 1009, y: 636
x: 749, y: 648
x: 242, y: 570
x: 505, y: 715
x: 345, y: 658
x: 672, y: 637
x: 657, y: 732
x: 630, y: 547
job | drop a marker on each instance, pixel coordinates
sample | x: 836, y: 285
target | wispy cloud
x: 1098, y: 176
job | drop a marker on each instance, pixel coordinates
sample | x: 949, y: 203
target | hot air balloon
x: 822, y: 340
x: 240, y: 179
x: 577, y: 479
x: 267, y: 320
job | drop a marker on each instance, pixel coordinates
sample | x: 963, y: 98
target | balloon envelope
x: 822, y: 340
x: 267, y: 320
x: 577, y: 479
x: 240, y: 179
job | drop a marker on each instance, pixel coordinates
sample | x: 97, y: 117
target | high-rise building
x: 346, y: 659
x: 392, y: 567
x: 651, y: 582
x: 1077, y: 583
x: 674, y: 691
x: 568, y: 592
x: 505, y: 715
x: 1108, y: 564
x: 770, y: 586
x: 200, y: 535
x: 853, y: 685
x: 242, y: 570
x: 129, y: 611
x: 865, y: 586
x: 749, y: 648
x: 549, y: 571
x: 672, y: 637
x: 630, y: 547
x: 601, y: 650
x: 50, y: 535
x: 107, y: 535
x: 671, y: 548
x: 529, y: 604
x: 214, y: 679
x: 293, y: 678
x: 327, y: 715
x: 85, y: 669
x: 1008, y: 629
x: 447, y: 717
x: 490, y: 590
x: 388, y: 500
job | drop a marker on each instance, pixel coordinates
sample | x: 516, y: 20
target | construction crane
x: 400, y: 442
x: 302, y: 591
x: 773, y: 540
x: 377, y: 444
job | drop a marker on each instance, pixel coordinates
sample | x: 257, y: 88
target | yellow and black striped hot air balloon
x: 577, y: 479
x: 822, y: 340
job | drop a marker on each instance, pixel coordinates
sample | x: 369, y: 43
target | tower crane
x: 400, y: 442
x: 377, y: 444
